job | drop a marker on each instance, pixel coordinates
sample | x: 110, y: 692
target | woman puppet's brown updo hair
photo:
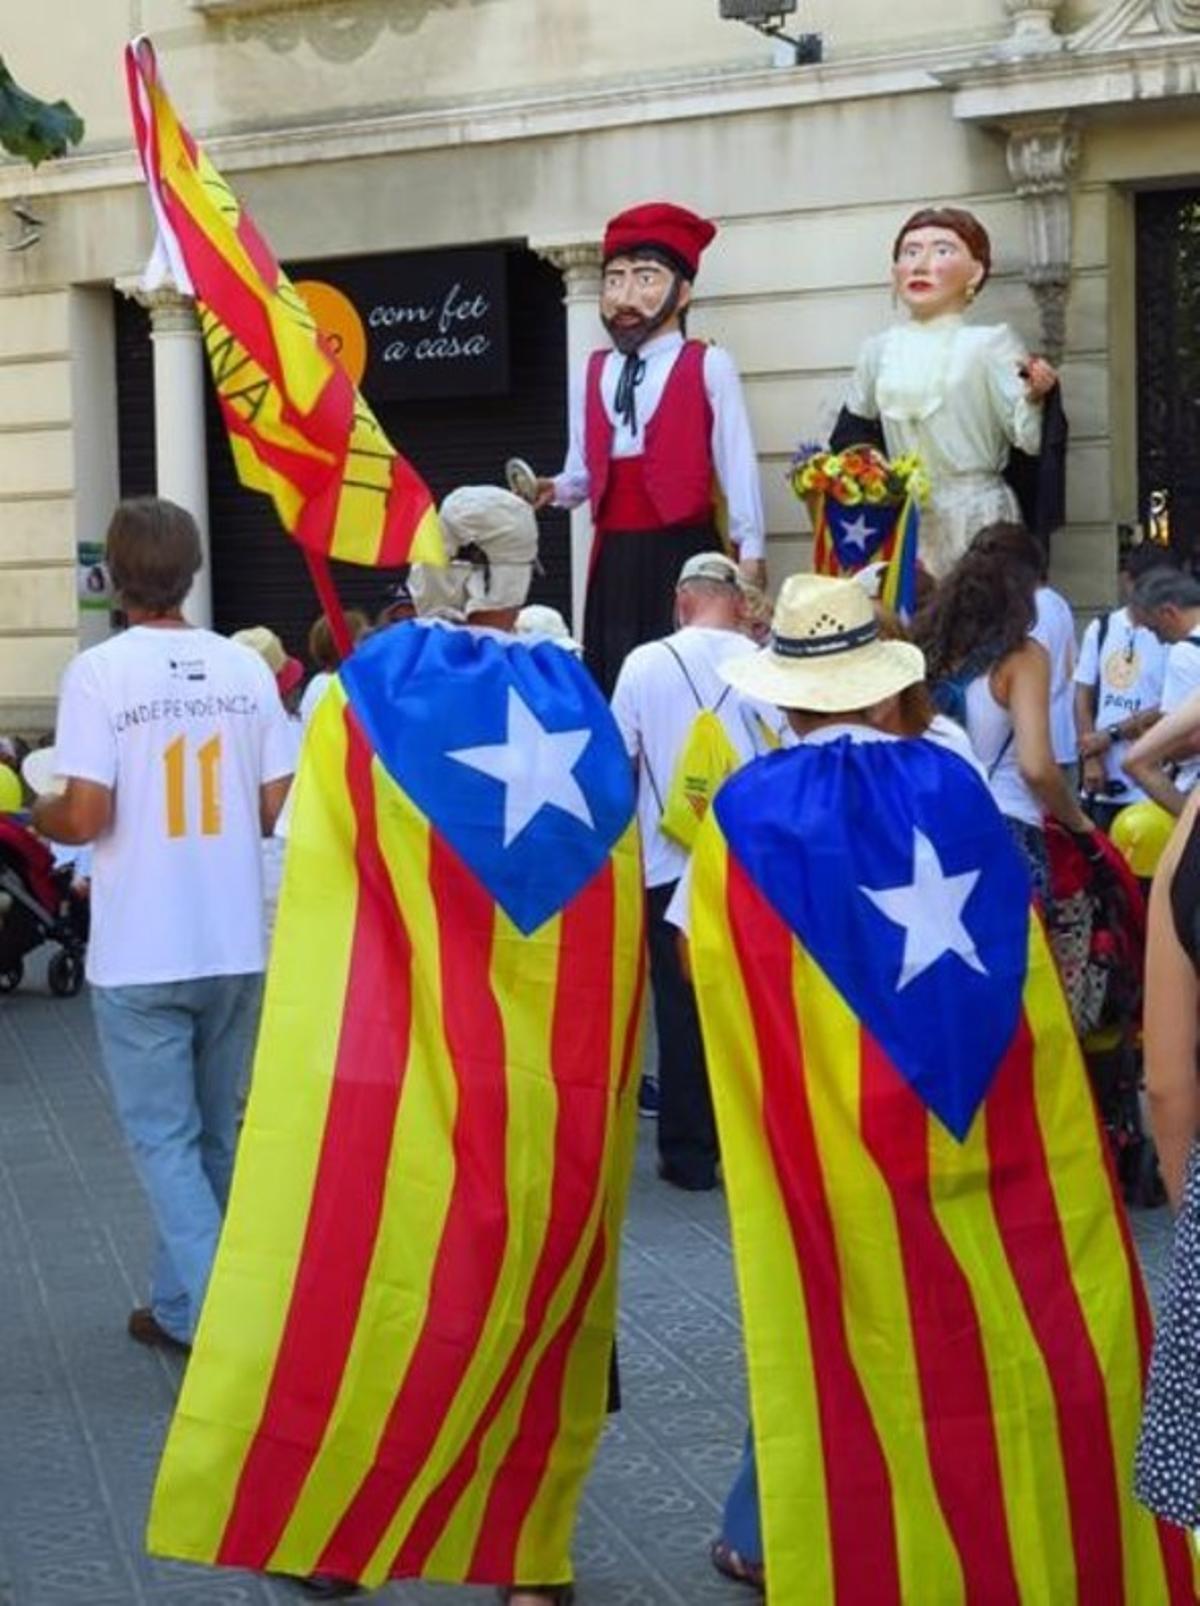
x: 965, y: 224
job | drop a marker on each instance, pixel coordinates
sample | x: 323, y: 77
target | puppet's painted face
x: 934, y: 272
x: 639, y: 298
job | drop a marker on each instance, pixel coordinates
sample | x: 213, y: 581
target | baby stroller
x: 1097, y: 929
x: 36, y: 906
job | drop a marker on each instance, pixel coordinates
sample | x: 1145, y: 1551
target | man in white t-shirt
x: 661, y: 688
x: 1167, y: 601
x: 177, y: 757
x: 1118, y: 689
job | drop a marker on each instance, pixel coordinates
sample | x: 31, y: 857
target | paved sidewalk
x: 83, y: 1410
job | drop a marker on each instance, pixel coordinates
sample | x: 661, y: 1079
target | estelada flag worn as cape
x: 402, y: 1362
x: 299, y: 429
x: 945, y: 1324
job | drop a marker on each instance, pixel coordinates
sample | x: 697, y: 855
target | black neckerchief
x: 625, y: 400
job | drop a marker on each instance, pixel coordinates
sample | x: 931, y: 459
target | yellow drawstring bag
x: 706, y: 758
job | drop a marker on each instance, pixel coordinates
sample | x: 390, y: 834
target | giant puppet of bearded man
x: 659, y: 436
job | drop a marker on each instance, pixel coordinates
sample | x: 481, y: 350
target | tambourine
x: 522, y: 481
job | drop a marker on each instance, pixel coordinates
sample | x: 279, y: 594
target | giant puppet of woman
x: 967, y: 398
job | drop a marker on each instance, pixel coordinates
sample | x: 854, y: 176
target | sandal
x: 552, y: 1594
x: 731, y: 1564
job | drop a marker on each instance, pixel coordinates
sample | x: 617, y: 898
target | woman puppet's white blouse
x: 949, y: 391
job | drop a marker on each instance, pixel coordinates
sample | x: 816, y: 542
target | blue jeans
x: 175, y: 1054
x: 740, y: 1525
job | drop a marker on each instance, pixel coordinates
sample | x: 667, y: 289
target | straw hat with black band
x: 825, y: 654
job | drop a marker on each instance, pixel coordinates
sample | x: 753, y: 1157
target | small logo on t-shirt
x: 188, y: 669
x: 1123, y: 669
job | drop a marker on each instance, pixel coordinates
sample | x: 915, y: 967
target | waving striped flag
x: 945, y: 1324
x: 299, y: 429
x: 402, y: 1362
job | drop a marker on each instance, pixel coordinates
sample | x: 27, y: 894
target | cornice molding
x: 719, y: 92
x: 1137, y: 51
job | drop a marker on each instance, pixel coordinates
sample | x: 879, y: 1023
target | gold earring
x: 970, y: 292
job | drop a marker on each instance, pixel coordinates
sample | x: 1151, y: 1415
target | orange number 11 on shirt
x: 208, y: 758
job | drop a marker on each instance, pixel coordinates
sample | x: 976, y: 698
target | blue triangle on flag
x: 858, y: 532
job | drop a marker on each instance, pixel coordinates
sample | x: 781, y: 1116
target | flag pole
x: 322, y: 579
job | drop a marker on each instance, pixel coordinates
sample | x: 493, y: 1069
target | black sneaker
x: 323, y: 1586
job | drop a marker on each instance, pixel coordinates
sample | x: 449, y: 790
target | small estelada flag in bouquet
x: 865, y: 509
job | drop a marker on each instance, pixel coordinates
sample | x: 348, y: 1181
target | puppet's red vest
x: 672, y: 481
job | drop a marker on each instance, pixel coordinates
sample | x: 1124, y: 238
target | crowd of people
x: 845, y: 821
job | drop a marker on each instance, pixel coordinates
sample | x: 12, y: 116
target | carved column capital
x: 171, y: 311
x: 580, y: 263
x: 1033, y: 27
x: 1042, y: 157
x: 1043, y: 154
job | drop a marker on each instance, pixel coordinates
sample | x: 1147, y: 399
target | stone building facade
x: 371, y: 129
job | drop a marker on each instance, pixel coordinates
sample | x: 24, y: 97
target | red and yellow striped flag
x: 402, y: 1363
x: 299, y: 429
x: 945, y: 1324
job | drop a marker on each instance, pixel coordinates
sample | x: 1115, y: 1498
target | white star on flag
x: 857, y: 534
x: 534, y: 766
x: 930, y: 912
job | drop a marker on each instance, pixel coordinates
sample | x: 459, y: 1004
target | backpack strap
x: 700, y: 703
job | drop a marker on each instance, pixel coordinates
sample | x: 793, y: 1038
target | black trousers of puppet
x: 687, y: 1128
x: 631, y: 591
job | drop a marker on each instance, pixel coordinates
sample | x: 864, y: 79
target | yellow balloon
x: 1140, y: 833
x: 11, y: 796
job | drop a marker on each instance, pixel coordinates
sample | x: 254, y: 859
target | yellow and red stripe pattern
x: 946, y: 1334
x: 402, y: 1364
x: 299, y: 430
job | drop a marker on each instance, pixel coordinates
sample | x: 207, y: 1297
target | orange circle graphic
x: 337, y: 317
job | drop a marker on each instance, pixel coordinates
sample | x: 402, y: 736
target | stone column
x: 1042, y: 156
x: 180, y: 457
x: 579, y: 264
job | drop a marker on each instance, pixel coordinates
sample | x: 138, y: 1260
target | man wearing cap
x: 661, y: 688
x: 659, y: 427
x: 491, y: 542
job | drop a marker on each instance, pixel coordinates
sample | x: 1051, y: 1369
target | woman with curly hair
x: 988, y: 672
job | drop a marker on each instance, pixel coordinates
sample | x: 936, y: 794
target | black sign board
x: 435, y: 323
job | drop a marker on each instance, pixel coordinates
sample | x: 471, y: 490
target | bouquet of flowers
x: 857, y: 475
x: 865, y: 508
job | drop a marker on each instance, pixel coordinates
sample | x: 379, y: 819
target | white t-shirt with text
x: 185, y: 727
x: 1123, y: 664
x: 654, y: 707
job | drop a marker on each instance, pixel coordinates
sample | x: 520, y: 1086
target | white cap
x: 546, y: 624
x: 504, y: 529
x: 714, y: 566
